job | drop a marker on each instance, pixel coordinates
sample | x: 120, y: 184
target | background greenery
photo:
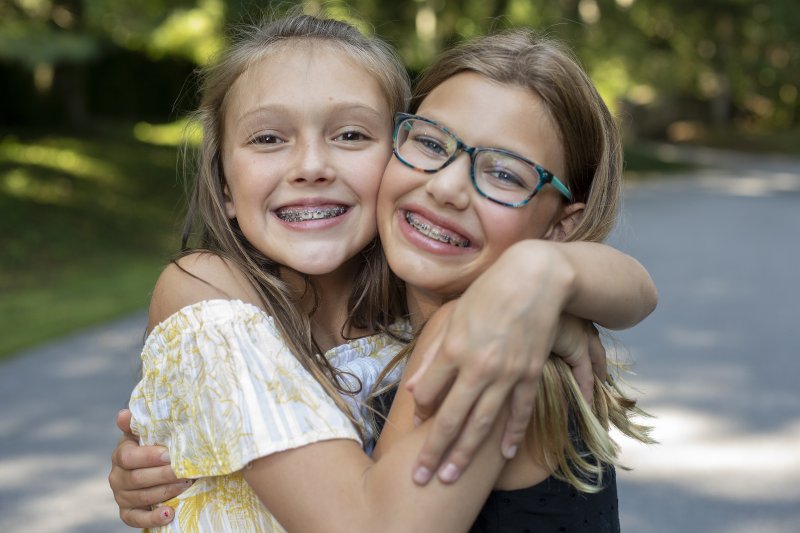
x: 93, y: 93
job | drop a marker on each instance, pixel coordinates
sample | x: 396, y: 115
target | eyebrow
x: 281, y: 109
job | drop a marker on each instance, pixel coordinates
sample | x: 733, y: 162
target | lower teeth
x: 434, y: 233
x: 311, y: 214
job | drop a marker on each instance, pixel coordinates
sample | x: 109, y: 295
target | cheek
x: 505, y: 227
x: 388, y: 192
x: 372, y: 176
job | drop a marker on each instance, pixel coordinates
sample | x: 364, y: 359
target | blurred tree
x: 719, y: 61
x: 56, y: 41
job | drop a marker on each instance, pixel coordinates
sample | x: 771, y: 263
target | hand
x: 578, y: 341
x: 481, y: 358
x: 141, y: 477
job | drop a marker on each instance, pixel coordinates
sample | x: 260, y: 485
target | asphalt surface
x: 717, y: 364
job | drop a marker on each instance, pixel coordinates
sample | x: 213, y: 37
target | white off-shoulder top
x: 220, y: 389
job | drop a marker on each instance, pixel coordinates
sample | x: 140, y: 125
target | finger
x: 432, y: 387
x: 583, y: 373
x: 446, y: 427
x: 142, y: 518
x: 144, y: 478
x: 428, y: 351
x: 144, y: 487
x: 522, y: 401
x: 147, y: 498
x: 124, y: 420
x: 130, y: 456
x: 597, y: 353
x: 477, y: 428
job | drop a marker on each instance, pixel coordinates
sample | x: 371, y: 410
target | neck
x: 422, y: 304
x: 333, y: 292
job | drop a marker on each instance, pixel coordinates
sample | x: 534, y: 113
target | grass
x: 85, y: 225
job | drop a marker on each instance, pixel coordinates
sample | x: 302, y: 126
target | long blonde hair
x: 374, y: 303
x: 572, y: 436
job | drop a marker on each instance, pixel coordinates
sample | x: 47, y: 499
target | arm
x: 333, y: 485
x: 524, y: 292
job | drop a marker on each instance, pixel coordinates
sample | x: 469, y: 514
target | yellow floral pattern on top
x: 219, y: 389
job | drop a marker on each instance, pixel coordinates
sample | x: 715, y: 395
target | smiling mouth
x: 435, y: 232
x: 303, y: 214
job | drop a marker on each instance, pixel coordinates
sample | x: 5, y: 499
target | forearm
x: 332, y: 486
x: 436, y: 507
x: 598, y: 282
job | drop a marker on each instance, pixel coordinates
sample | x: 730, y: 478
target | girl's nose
x: 450, y: 185
x: 313, y: 164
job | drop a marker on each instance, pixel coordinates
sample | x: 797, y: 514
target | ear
x: 230, y: 207
x: 565, y: 222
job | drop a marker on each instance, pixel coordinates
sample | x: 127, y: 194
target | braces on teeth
x: 435, y: 233
x: 316, y: 213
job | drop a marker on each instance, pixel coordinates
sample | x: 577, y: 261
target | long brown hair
x: 375, y: 303
x: 593, y: 153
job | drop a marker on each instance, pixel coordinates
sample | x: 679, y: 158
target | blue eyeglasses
x: 498, y: 175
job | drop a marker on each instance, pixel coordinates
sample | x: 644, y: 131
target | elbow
x: 649, y: 297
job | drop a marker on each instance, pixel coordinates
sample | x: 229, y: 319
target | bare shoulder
x: 195, y: 278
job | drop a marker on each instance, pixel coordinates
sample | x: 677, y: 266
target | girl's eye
x: 265, y: 138
x: 504, y: 178
x: 351, y: 136
x: 430, y: 145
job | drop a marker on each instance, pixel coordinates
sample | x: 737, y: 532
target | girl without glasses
x: 286, y: 270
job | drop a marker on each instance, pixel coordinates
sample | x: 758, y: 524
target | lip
x: 431, y: 245
x: 308, y: 203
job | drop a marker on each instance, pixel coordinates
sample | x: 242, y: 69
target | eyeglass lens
x: 496, y: 174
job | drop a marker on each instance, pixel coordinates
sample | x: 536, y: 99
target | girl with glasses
x: 233, y: 384
x: 510, y: 145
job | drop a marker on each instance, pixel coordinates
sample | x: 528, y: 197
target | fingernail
x: 166, y: 514
x: 417, y: 421
x: 509, y: 451
x: 449, y: 473
x: 422, y: 475
x: 165, y: 456
x: 187, y: 482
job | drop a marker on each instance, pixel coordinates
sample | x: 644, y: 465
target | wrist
x: 548, y: 266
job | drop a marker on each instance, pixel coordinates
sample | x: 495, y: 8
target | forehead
x: 304, y: 73
x: 486, y: 113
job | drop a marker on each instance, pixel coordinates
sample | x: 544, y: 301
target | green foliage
x: 33, y: 44
x: 85, y: 224
x: 86, y: 220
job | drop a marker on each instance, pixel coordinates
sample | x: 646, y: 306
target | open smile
x: 432, y: 231
x: 303, y: 214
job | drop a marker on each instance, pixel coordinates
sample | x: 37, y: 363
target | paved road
x: 717, y: 363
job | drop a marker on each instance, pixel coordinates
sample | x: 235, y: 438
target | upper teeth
x: 435, y: 233
x: 311, y: 213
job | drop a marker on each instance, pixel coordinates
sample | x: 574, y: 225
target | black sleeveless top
x: 551, y: 506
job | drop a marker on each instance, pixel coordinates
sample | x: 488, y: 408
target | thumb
x: 124, y: 421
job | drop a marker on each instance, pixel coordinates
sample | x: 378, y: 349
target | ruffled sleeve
x: 220, y: 389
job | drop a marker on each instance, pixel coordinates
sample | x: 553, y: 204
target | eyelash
x: 265, y: 138
x: 351, y: 133
x: 345, y: 136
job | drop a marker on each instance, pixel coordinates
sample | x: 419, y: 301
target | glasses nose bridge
x: 461, y: 146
